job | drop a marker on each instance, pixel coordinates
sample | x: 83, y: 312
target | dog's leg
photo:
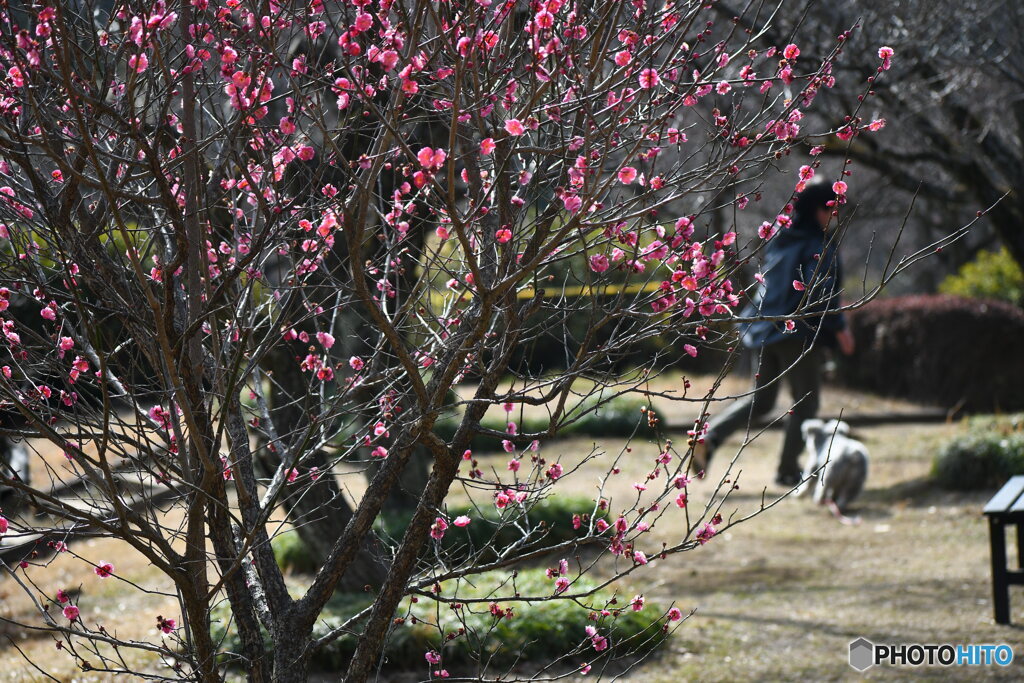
x: 810, y: 475
x: 838, y: 514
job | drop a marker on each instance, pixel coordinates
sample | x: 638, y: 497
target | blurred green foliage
x: 549, y: 521
x: 986, y: 456
x: 471, y: 636
x: 991, y: 275
x: 619, y: 416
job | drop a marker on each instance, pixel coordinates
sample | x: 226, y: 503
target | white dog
x: 839, y: 464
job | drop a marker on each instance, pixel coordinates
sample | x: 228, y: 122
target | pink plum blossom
x: 438, y: 528
x: 649, y: 78
x: 886, y: 53
x: 139, y: 62
x: 431, y: 159
x: 705, y: 533
x: 326, y: 339
x: 599, y: 263
x: 514, y: 127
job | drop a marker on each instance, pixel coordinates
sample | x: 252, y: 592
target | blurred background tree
x: 953, y: 126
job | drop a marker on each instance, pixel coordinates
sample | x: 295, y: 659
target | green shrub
x: 550, y: 520
x: 1006, y: 425
x: 617, y: 417
x: 991, y: 452
x: 991, y: 275
x: 537, y: 631
x: 292, y: 554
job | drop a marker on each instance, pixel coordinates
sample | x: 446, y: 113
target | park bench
x: 1003, y: 509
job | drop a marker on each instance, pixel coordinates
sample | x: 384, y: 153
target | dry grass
x: 776, y: 598
x: 781, y: 596
x: 111, y: 602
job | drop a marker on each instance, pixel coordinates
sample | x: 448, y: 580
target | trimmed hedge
x: 941, y: 350
x: 989, y: 454
x: 537, y: 631
x: 491, y: 527
x: 500, y: 529
x: 618, y: 417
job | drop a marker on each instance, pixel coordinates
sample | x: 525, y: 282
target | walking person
x: 802, y: 274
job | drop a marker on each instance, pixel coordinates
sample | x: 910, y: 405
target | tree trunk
x: 319, y: 512
x: 291, y: 657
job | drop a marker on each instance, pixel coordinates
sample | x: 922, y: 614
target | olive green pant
x: 787, y: 360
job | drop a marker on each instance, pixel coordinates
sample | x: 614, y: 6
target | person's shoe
x: 788, y: 481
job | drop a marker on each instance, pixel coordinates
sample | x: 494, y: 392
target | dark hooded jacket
x: 803, y: 253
